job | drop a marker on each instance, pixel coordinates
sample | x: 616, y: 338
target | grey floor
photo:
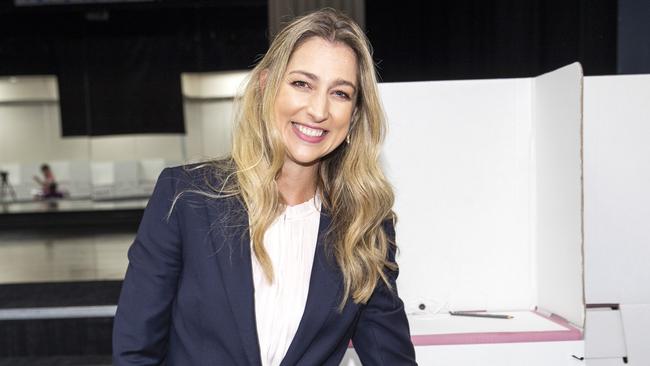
x: 66, y: 251
x: 61, y: 256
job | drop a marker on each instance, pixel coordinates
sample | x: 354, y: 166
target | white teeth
x: 309, y: 131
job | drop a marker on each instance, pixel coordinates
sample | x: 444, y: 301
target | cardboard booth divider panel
x: 558, y: 211
x: 617, y: 177
x: 488, y: 182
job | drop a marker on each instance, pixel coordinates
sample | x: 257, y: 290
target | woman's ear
x: 264, y: 74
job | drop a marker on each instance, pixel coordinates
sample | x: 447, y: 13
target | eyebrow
x: 315, y: 78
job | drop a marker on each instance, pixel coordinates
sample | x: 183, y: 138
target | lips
x: 308, y: 134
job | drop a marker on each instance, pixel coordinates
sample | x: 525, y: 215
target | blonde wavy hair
x: 354, y: 190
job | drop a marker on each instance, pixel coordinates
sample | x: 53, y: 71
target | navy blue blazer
x: 188, y: 295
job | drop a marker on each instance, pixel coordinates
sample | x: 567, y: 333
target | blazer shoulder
x: 204, y: 177
x: 199, y: 184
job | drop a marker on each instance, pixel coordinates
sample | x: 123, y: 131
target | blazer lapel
x: 323, y: 297
x: 231, y: 239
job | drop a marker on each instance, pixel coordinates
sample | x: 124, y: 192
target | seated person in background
x: 48, y: 183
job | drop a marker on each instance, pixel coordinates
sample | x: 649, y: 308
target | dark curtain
x: 465, y: 39
x: 115, y: 79
x: 119, y: 68
x: 130, y: 77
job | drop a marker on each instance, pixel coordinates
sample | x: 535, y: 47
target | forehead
x: 327, y: 60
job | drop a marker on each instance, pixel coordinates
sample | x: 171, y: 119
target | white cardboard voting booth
x: 488, y: 181
x: 617, y: 213
x: 617, y: 188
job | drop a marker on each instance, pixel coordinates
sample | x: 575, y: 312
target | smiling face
x: 317, y: 96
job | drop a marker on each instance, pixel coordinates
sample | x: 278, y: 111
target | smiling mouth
x: 308, y: 131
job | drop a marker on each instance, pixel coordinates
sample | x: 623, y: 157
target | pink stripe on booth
x: 570, y: 334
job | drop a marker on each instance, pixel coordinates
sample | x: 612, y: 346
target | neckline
x: 304, y: 209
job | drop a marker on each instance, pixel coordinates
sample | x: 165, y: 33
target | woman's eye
x: 342, y: 94
x: 300, y: 84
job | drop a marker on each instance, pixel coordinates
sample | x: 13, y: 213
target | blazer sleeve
x: 142, y: 322
x: 382, y: 335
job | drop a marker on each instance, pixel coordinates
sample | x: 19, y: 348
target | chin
x: 306, y: 162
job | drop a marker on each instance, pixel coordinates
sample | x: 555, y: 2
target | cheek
x: 286, y: 105
x: 344, y: 118
x: 281, y: 111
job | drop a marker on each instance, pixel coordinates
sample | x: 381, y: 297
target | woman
x: 48, y: 183
x: 283, y: 253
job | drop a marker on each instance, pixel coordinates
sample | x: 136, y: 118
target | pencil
x: 480, y: 315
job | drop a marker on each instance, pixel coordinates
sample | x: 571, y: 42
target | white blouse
x: 290, y: 242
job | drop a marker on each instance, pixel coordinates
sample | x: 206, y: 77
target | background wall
x: 30, y: 130
x: 209, y: 126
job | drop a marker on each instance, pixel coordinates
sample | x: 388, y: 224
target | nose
x: 318, y: 108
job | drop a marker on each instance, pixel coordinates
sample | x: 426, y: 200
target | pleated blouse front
x: 290, y: 242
